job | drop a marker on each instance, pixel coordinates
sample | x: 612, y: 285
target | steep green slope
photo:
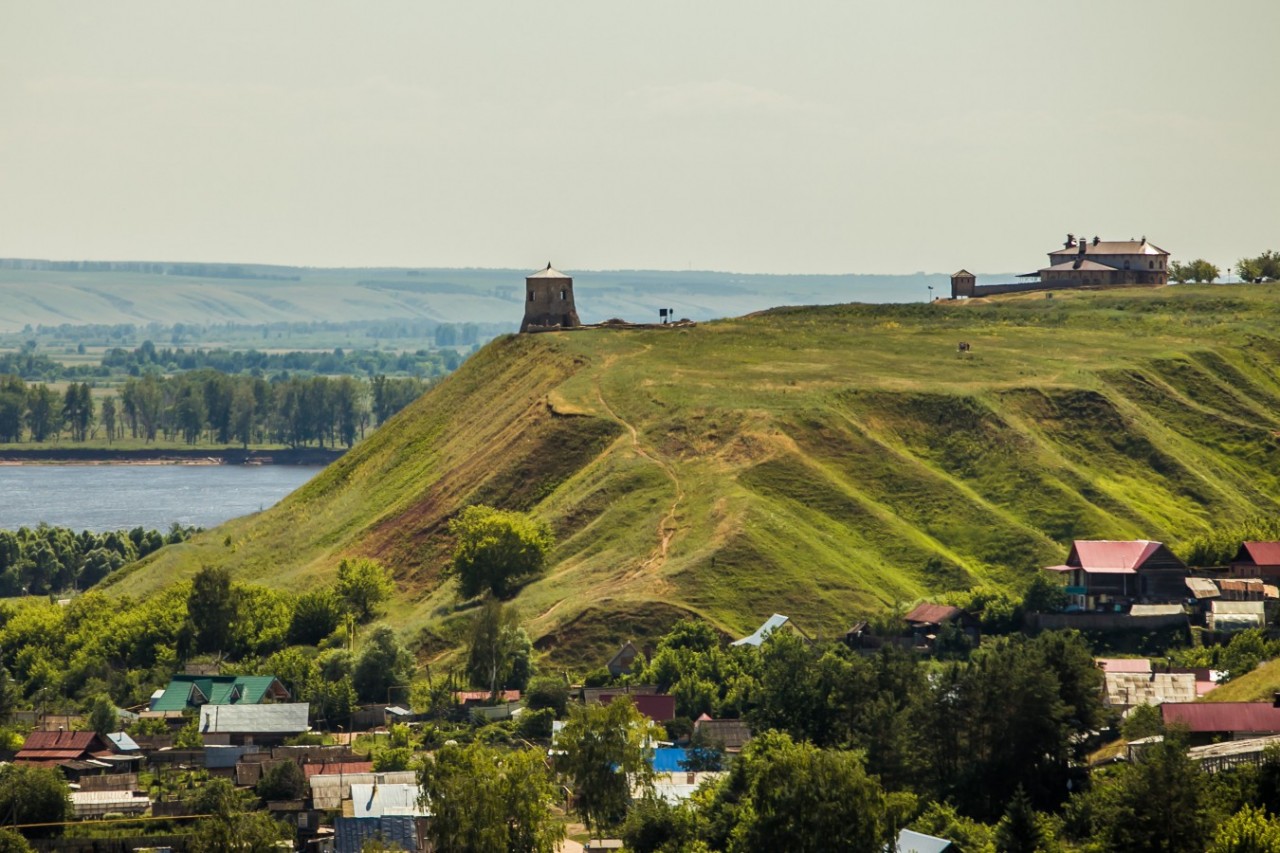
x: 820, y: 462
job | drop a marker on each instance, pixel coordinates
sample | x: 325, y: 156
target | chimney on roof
x: 1144, y: 239
x: 1095, y: 239
x: 1084, y: 244
x: 1071, y: 242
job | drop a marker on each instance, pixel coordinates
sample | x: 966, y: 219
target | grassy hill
x: 819, y: 462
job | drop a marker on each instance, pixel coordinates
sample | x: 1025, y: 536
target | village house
x: 1209, y: 721
x: 926, y: 621
x: 253, y: 724
x: 1106, y: 575
x: 730, y: 735
x: 623, y: 660
x: 76, y: 754
x: 1257, y: 560
x: 187, y: 692
x: 1081, y: 263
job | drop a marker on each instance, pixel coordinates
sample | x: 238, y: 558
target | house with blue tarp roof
x: 194, y: 691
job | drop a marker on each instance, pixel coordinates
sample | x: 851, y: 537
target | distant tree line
x: 1265, y: 267
x: 147, y: 358
x: 46, y: 559
x: 409, y: 328
x: 206, y: 406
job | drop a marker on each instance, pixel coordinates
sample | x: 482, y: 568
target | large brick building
x: 1081, y: 263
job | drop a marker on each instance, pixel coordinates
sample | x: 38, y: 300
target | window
x: 530, y: 295
x: 562, y: 295
x: 1151, y: 265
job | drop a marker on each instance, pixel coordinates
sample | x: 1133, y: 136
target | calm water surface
x: 111, y: 497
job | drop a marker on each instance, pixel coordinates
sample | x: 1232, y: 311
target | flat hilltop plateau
x: 822, y: 462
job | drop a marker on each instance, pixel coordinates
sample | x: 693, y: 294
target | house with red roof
x: 1207, y: 721
x: 1257, y: 560
x: 1108, y: 575
x: 78, y: 754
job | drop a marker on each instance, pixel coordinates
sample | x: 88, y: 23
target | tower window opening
x: 562, y: 294
x: 530, y: 295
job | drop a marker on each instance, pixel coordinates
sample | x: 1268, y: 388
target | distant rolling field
x: 52, y: 297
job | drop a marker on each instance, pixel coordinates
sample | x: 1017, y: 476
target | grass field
x: 819, y: 462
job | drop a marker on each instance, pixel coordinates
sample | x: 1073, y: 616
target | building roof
x: 659, y: 708
x: 464, y: 696
x: 548, y: 273
x: 910, y: 841
x: 962, y: 272
x: 1251, y: 608
x: 386, y: 800
x: 1201, y: 717
x: 350, y: 834
x: 677, y: 786
x: 329, y: 790
x: 1107, y: 556
x: 336, y: 768
x: 284, y: 718
x: 61, y: 746
x: 1259, y: 553
x: 192, y: 691
x: 122, y: 742
x: 770, y: 625
x: 1203, y: 587
x: 731, y: 734
x: 1079, y: 265
x: 1112, y: 247
x: 1123, y: 664
x: 933, y: 614
x: 1144, y: 688
x: 1155, y: 610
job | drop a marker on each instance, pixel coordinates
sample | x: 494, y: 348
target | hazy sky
x: 836, y: 136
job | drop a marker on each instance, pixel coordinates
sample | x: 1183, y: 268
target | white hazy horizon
x: 818, y: 138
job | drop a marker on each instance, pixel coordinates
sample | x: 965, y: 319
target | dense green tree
x: 783, y: 795
x: 12, y: 841
x: 1264, y: 267
x: 1250, y: 830
x: 245, y: 832
x: 34, y: 795
x: 211, y: 609
x: 603, y: 753
x: 333, y: 701
x: 1021, y: 829
x: 363, y: 585
x: 495, y: 550
x: 1197, y: 271
x: 13, y: 405
x: 282, y: 781
x: 1157, y: 803
x: 43, y: 412
x: 655, y: 826
x: 384, y: 663
x: 103, y: 718
x: 77, y: 410
x: 316, y: 615
x: 489, y: 801
x: 496, y: 639
x: 548, y: 691
x: 109, y: 418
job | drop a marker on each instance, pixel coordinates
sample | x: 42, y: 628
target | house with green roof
x: 194, y: 691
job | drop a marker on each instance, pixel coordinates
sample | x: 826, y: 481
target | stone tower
x: 962, y: 284
x: 548, y: 301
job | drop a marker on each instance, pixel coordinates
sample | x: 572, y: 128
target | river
x: 113, y: 497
